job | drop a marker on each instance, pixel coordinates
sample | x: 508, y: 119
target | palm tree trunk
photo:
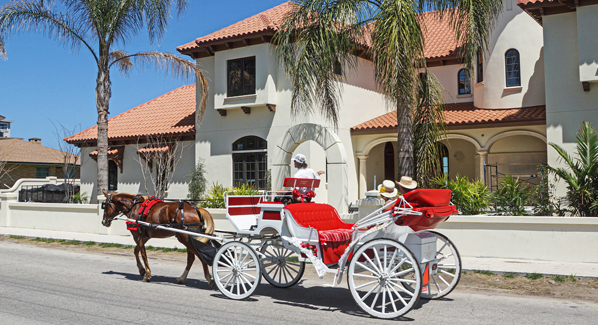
x: 103, y: 94
x: 405, y: 142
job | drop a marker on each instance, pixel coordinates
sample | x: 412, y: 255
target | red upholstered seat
x: 333, y: 233
x: 434, y: 204
x: 429, y: 197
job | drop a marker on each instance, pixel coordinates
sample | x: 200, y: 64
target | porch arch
x: 506, y: 134
x: 336, y: 155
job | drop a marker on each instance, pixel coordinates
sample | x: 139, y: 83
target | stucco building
x: 496, y: 117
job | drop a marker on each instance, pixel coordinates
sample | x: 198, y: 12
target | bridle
x: 126, y: 211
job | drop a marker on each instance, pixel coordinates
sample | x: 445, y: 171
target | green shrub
x: 470, y: 197
x: 215, y: 197
x: 82, y: 198
x: 197, y: 183
x: 509, y: 275
x: 244, y: 189
x: 572, y: 278
x: 512, y: 196
x: 534, y: 276
x: 559, y: 278
x: 483, y: 272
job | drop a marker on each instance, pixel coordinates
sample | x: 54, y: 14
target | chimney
x: 35, y: 140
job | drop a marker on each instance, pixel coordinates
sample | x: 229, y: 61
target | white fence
x: 535, y: 238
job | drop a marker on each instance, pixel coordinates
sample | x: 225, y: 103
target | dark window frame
x: 38, y: 171
x: 112, y: 175
x: 250, y: 161
x: 463, y: 89
x: 480, y: 66
x: 512, y: 68
x: 244, y: 89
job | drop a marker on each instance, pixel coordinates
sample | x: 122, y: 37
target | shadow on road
x: 192, y: 283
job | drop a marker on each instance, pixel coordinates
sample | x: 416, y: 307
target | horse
x: 160, y: 213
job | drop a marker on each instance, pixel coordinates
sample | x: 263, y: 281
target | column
x: 483, y: 161
x: 363, y: 186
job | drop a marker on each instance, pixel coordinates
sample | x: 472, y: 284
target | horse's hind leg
x: 185, y: 240
x: 190, y: 260
x: 139, y: 241
x: 148, y: 273
x: 206, y: 272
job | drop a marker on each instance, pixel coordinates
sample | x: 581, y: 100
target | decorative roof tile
x: 460, y: 114
x: 439, y: 38
x: 170, y: 114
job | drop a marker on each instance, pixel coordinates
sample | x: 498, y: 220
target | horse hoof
x: 142, y: 272
x: 146, y: 279
x: 212, y: 284
x: 179, y: 281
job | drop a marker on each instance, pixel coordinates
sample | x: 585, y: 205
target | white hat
x: 387, y: 189
x: 407, y: 182
x: 300, y: 159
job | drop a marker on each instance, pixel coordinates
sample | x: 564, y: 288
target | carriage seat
x: 334, y: 234
x: 434, y: 204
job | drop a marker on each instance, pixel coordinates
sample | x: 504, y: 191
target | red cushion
x: 429, y: 197
x: 333, y: 244
x: 318, y: 216
x: 430, y: 218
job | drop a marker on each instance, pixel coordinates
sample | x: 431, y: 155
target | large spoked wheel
x: 236, y: 270
x: 280, y: 266
x: 444, y: 272
x: 376, y: 273
x: 445, y: 277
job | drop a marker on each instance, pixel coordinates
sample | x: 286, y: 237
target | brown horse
x: 161, y: 213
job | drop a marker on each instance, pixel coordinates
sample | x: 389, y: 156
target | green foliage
x: 512, y: 196
x: 82, y: 198
x: 534, y: 276
x: 559, y: 278
x: 572, y: 278
x: 470, y: 197
x: 244, y: 189
x: 16, y: 237
x: 509, y: 275
x: 197, y: 183
x: 483, y: 272
x: 581, y: 173
x: 215, y: 197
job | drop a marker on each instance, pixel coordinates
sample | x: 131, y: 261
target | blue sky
x: 43, y: 83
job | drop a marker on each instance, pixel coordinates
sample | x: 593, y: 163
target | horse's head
x: 116, y: 204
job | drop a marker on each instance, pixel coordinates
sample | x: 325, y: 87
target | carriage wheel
x: 445, y: 271
x: 281, y: 266
x: 236, y: 270
x: 376, y: 273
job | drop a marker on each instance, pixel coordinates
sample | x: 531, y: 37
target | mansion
x: 499, y: 120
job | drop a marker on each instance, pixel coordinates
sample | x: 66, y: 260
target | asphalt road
x: 45, y: 285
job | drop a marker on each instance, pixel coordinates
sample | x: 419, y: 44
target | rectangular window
x: 3, y: 126
x: 480, y: 66
x: 112, y: 176
x: 241, y: 77
x: 42, y: 172
x: 250, y: 168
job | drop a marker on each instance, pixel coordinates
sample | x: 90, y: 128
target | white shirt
x: 306, y: 173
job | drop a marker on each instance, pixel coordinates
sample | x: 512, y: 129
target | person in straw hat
x: 406, y: 184
x: 388, y: 190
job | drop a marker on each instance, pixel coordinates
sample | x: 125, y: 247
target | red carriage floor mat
x: 333, y: 233
x: 430, y: 218
x: 429, y: 197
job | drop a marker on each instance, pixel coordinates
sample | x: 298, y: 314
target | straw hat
x: 407, y: 182
x: 387, y: 189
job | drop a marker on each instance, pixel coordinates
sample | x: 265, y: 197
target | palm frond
x: 33, y: 17
x: 2, y: 50
x: 171, y: 65
x: 156, y: 14
x: 563, y: 155
x: 122, y: 60
x: 587, y: 145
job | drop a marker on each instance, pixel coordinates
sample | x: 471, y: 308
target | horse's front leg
x: 148, y: 273
x: 139, y: 242
x: 190, y: 260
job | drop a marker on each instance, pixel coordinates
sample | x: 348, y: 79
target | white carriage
x: 390, y: 258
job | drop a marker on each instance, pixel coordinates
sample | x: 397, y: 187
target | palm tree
x: 111, y: 24
x: 320, y: 34
x: 581, y: 173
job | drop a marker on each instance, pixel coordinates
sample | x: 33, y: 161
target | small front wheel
x: 376, y: 274
x: 236, y: 270
x: 280, y: 265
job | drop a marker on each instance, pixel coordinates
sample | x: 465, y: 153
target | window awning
x: 115, y: 154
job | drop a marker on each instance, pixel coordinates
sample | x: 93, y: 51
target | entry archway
x: 336, y: 155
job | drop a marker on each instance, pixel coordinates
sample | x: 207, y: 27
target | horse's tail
x: 208, y: 222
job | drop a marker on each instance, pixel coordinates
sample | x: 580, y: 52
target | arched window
x: 512, y: 68
x: 250, y: 161
x: 444, y: 158
x: 464, y: 87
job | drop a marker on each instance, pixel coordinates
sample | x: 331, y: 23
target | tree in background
x: 580, y: 173
x: 197, y: 182
x: 320, y: 35
x: 110, y: 24
x: 71, y: 161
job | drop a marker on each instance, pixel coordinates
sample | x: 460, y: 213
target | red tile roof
x: 461, y: 114
x: 170, y: 114
x: 439, y: 38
